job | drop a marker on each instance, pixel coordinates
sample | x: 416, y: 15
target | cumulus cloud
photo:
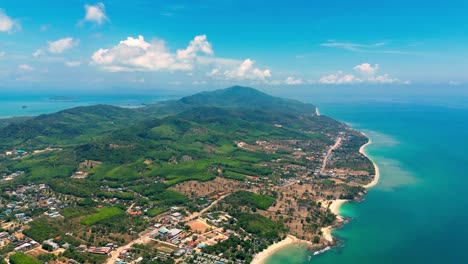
x: 293, y: 81
x: 243, y: 70
x: 61, y: 45
x: 367, y: 74
x: 136, y: 54
x: 366, y: 69
x: 339, y: 78
x: 198, y: 44
x: 95, y: 13
x: 7, y: 24
x: 25, y: 67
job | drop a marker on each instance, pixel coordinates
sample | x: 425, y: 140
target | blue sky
x: 148, y: 44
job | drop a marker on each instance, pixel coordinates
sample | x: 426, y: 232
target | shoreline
x: 336, y: 204
x: 260, y: 257
x: 333, y: 205
x: 362, y: 150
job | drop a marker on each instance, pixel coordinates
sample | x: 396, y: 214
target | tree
x: 316, y: 240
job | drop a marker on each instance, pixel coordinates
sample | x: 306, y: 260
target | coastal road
x: 329, y: 152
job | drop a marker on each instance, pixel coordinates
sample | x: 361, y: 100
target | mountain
x: 233, y: 97
x: 245, y: 97
x: 66, y: 127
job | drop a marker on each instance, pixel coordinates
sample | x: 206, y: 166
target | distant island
x: 226, y: 176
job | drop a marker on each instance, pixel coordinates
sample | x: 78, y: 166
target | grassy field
x: 21, y: 258
x: 103, y: 214
x: 258, y: 201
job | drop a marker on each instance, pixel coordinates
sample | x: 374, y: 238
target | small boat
x: 321, y: 251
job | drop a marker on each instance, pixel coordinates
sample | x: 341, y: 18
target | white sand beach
x: 334, y: 206
x: 375, y: 180
x: 289, y: 240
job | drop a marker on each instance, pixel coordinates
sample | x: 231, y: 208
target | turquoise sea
x: 35, y: 104
x: 418, y: 213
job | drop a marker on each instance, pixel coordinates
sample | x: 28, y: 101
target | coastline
x: 266, y: 253
x: 362, y: 150
x: 336, y: 204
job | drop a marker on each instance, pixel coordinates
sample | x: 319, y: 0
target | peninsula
x: 226, y: 176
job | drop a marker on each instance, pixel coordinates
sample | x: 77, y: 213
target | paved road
x: 325, y: 160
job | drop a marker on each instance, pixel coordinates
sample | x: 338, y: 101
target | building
x: 100, y: 250
x: 51, y: 243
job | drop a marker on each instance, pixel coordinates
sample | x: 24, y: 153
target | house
x: 163, y: 230
x: 100, y: 250
x: 51, y: 243
x: 177, y: 215
x: 174, y: 232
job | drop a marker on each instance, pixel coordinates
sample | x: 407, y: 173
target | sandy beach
x: 334, y: 206
x: 362, y: 150
x: 289, y: 240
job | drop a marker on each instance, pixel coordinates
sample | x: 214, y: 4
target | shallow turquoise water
x: 419, y: 210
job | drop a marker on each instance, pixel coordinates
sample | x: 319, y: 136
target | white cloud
x: 367, y: 75
x: 366, y: 69
x: 293, y: 81
x: 25, y: 67
x: 72, y: 63
x: 383, y: 79
x: 135, y: 54
x: 246, y: 71
x: 214, y: 72
x: 38, y: 53
x: 2, y: 54
x: 96, y: 13
x: 61, y: 45
x: 7, y: 24
x: 454, y: 83
x: 198, y: 44
x: 339, y: 78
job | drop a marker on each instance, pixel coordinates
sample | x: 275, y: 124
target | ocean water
x: 35, y: 104
x: 418, y: 212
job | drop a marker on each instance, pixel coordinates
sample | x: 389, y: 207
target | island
x: 225, y: 176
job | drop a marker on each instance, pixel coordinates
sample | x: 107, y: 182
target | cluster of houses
x: 20, y: 242
x: 30, y: 197
x: 12, y: 176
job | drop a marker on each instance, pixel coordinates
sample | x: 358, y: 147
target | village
x: 182, y: 233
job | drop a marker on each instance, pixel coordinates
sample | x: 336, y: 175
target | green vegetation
x: 253, y: 200
x: 21, y: 258
x: 40, y: 230
x: 237, y: 133
x: 102, y: 215
x: 260, y: 225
